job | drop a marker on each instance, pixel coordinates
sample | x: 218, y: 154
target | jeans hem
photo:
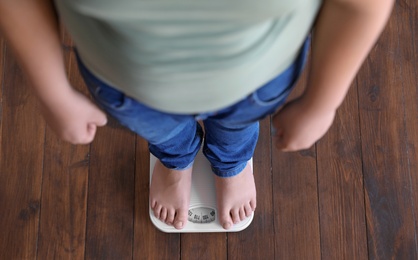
x: 179, y: 168
x: 231, y: 172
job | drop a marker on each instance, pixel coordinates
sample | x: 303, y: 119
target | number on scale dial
x: 201, y: 215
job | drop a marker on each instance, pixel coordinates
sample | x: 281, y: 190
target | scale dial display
x: 202, y: 215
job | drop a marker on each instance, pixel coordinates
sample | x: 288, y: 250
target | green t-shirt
x: 188, y: 56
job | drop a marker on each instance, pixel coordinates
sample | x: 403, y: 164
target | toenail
x: 227, y: 225
x: 179, y: 224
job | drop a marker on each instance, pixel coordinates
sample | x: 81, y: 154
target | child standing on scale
x: 160, y: 66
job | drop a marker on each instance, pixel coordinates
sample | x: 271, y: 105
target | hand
x: 299, y: 125
x: 73, y: 117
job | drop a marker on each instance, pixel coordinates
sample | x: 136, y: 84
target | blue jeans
x: 230, y: 134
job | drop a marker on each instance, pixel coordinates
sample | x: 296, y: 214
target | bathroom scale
x: 203, y: 212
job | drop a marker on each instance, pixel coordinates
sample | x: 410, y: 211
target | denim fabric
x: 230, y: 134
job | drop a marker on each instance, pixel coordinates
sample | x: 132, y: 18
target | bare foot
x: 170, y: 194
x: 236, y: 197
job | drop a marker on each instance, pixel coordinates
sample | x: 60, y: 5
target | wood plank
x: 149, y: 242
x: 2, y: 63
x: 110, y: 208
x: 296, y: 205
x: 64, y: 200
x: 257, y: 241
x: 21, y: 165
x: 407, y: 21
x: 295, y: 200
x: 2, y: 73
x: 64, y: 188
x: 340, y: 184
x: 204, y: 246
x: 389, y: 204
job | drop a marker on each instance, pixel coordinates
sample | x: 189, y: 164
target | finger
x: 99, y: 118
x: 279, y: 133
x: 281, y: 143
x: 286, y: 150
x: 91, y: 132
x: 290, y: 148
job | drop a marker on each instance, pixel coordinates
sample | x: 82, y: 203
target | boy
x: 159, y: 66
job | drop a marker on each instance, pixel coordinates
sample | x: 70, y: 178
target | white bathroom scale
x: 203, y: 212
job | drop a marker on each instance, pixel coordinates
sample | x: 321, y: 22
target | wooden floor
x: 352, y: 196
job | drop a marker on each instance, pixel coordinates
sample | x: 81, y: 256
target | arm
x: 346, y: 31
x: 31, y: 29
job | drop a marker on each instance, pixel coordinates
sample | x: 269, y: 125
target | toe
x: 170, y: 216
x: 242, y: 213
x: 235, y: 216
x: 157, y: 210
x: 225, y: 220
x: 180, y: 219
x: 248, y: 210
x: 153, y: 203
x: 163, y: 214
x: 253, y: 204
